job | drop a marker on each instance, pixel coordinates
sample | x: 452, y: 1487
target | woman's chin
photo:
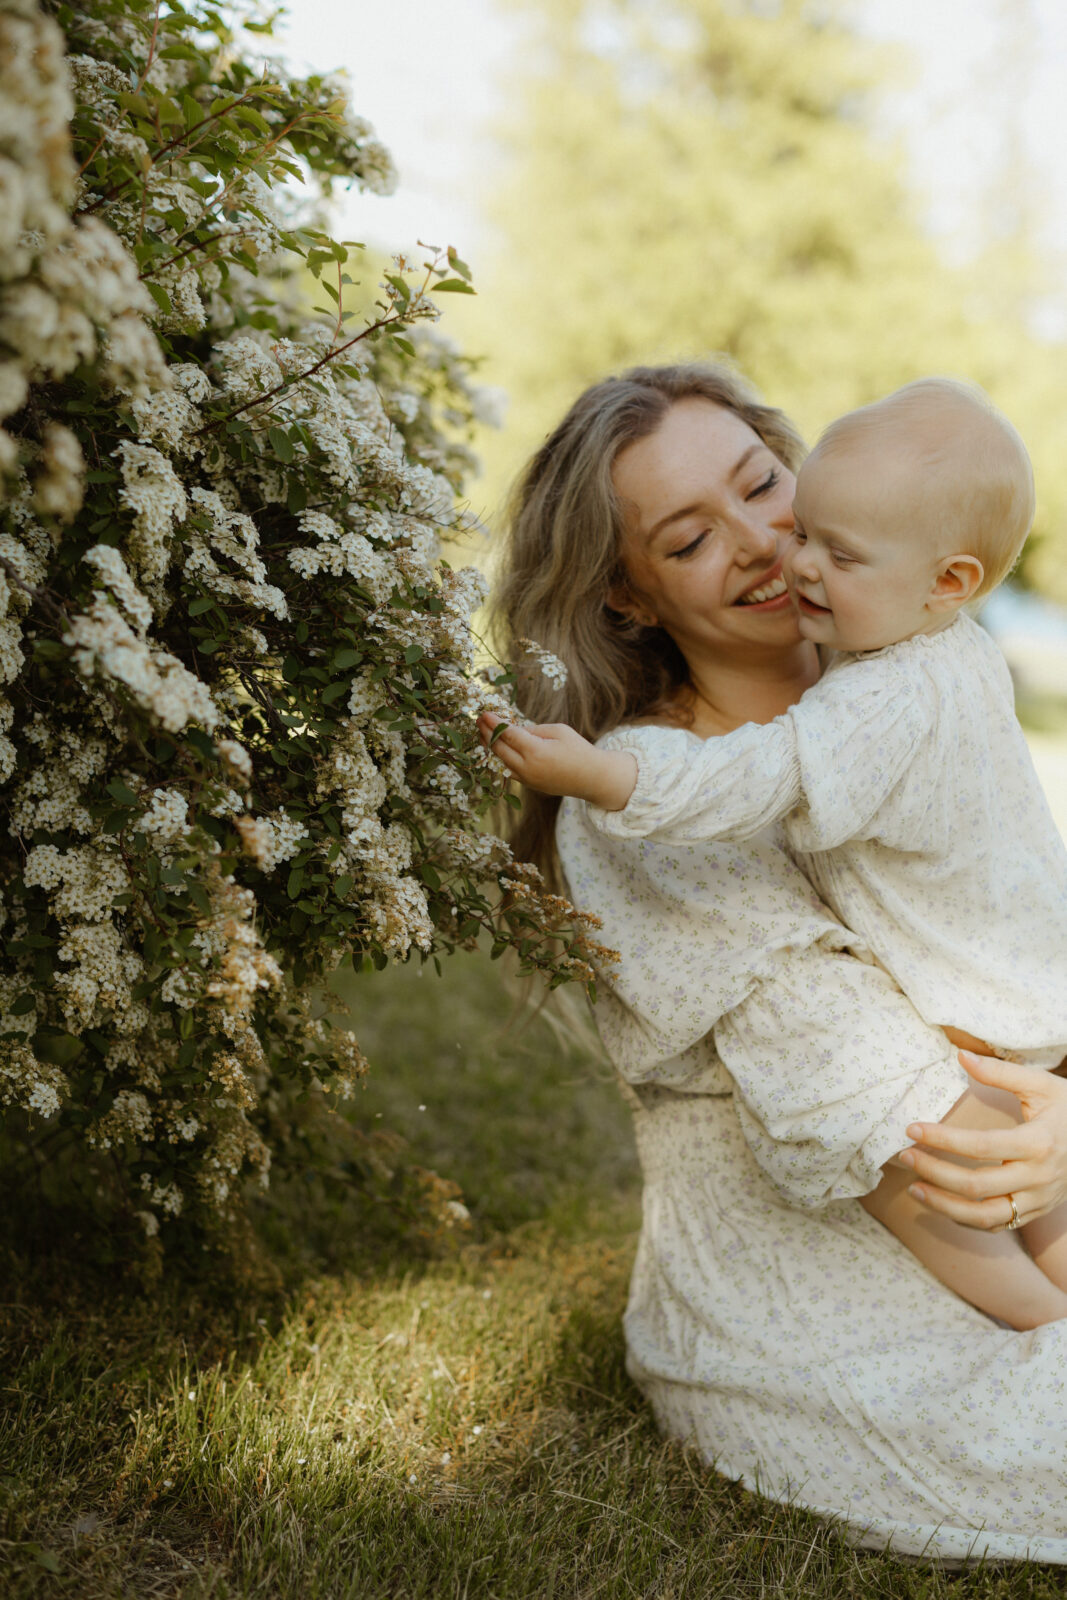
x: 775, y: 619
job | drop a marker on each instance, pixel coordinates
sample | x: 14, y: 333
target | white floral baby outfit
x: 908, y: 796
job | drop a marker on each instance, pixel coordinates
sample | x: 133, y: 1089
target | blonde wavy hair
x: 562, y: 557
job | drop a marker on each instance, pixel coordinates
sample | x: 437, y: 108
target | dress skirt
x: 809, y: 1355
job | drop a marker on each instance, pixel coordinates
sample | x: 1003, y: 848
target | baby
x: 901, y: 780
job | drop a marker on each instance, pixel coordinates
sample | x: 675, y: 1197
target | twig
x: 42, y: 597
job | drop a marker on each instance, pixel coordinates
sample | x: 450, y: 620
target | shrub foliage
x: 237, y: 747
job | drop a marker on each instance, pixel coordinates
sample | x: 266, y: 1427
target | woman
x: 806, y: 1353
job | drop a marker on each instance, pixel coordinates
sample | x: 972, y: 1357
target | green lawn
x: 454, y: 1423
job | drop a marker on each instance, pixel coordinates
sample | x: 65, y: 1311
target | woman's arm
x: 1027, y: 1163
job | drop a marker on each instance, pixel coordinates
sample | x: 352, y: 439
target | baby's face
x: 859, y: 571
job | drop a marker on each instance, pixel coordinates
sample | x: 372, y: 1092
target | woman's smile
x: 767, y: 593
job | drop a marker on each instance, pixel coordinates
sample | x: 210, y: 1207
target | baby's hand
x: 553, y: 759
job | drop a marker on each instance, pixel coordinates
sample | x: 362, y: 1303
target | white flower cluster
x: 166, y: 819
x: 106, y: 647
x: 155, y: 494
x: 24, y: 1081
x: 248, y: 505
x: 551, y: 666
x: 128, y: 1121
x: 68, y: 290
x: 231, y: 535
x: 85, y: 879
x: 271, y: 839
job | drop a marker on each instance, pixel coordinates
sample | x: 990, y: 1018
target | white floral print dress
x: 788, y: 1335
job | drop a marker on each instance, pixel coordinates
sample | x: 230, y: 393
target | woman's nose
x: 758, y: 540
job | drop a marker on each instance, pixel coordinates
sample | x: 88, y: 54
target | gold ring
x: 1014, y: 1223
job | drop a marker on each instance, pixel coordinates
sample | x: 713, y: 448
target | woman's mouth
x: 772, y: 589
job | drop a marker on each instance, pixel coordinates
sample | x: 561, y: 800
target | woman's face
x: 708, y: 512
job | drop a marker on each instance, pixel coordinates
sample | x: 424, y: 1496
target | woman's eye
x: 689, y: 549
x: 769, y: 482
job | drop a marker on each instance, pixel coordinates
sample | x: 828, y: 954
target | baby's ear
x: 957, y: 580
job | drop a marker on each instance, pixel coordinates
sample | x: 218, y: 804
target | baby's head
x: 906, y: 509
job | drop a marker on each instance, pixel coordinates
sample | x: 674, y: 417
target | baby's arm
x: 828, y: 763
x: 553, y: 759
x: 673, y: 790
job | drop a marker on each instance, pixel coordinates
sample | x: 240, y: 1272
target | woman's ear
x: 622, y: 601
x: 957, y: 580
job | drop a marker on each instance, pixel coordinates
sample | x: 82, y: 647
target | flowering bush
x: 235, y: 737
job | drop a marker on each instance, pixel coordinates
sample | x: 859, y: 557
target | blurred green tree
x: 705, y: 176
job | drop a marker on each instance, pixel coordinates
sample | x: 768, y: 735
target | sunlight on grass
x: 453, y: 1425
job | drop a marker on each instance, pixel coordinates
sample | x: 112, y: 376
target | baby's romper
x: 908, y: 797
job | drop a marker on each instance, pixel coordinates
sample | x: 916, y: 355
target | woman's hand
x: 1033, y: 1154
x: 553, y: 759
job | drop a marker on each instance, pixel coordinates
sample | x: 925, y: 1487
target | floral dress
x: 790, y: 1336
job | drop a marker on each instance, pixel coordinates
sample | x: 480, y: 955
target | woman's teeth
x: 769, y: 591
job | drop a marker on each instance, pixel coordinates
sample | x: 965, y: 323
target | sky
x: 431, y: 75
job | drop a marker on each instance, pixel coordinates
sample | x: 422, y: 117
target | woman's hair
x: 562, y: 557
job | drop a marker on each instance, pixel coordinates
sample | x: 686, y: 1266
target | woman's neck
x: 728, y: 693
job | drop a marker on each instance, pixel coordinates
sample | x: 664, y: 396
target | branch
x: 290, y: 383
x: 42, y: 597
x: 164, y: 150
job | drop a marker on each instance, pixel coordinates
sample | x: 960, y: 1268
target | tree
x: 702, y: 177
x: 237, y: 740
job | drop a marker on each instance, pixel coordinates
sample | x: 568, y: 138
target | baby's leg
x: 1046, y: 1237
x: 1046, y: 1240
x: 991, y: 1270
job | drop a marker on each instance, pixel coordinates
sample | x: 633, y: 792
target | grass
x: 453, y: 1424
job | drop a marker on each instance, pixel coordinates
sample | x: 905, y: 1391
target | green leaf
x: 201, y: 743
x: 413, y: 653
x: 122, y: 792
x: 159, y: 295
x: 281, y: 444
x: 198, y: 607
x: 24, y: 1003
x: 347, y: 658
x: 452, y: 286
x: 334, y: 692
x: 296, y: 883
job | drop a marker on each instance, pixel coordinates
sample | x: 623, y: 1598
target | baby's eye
x: 840, y: 558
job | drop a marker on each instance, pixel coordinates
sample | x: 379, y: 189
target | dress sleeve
x: 826, y: 765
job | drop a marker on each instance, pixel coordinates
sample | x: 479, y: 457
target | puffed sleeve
x: 827, y: 764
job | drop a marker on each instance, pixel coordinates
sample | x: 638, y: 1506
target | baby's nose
x: 800, y: 560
